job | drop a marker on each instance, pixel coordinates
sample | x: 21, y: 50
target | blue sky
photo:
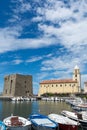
x: 43, y: 38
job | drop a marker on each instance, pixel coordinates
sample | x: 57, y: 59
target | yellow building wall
x: 85, y: 87
x: 58, y: 88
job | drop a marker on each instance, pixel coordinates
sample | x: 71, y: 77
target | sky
x: 43, y: 38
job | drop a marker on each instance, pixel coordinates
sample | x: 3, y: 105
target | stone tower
x: 77, y: 77
x: 17, y: 85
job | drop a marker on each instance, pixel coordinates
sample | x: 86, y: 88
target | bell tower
x: 77, y: 77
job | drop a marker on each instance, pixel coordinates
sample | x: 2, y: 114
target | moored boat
x: 42, y: 122
x: 64, y: 122
x: 82, y: 107
x: 80, y: 117
x: 2, y: 126
x: 17, y: 123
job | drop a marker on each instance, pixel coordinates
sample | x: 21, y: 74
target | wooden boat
x: 80, y: 117
x: 42, y: 122
x: 17, y: 123
x: 2, y: 126
x: 64, y: 122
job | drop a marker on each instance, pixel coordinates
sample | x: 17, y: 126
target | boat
x: 81, y: 107
x: 42, y: 122
x: 17, y: 123
x: 2, y: 126
x: 80, y: 117
x: 64, y: 122
x: 16, y: 99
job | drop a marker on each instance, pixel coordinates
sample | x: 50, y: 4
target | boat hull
x: 43, y: 128
x: 79, y: 119
x: 19, y: 128
x: 67, y: 127
x: 17, y: 123
x: 42, y: 122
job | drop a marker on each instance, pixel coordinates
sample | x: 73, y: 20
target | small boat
x: 2, y: 126
x: 80, y: 117
x: 17, y: 123
x: 42, y: 122
x: 17, y: 99
x: 64, y: 122
x: 82, y: 107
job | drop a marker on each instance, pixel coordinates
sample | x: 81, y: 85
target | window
x: 6, y: 78
x: 6, y: 91
x: 11, y: 86
x: 25, y: 81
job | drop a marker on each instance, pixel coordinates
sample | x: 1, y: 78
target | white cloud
x: 34, y: 59
x: 17, y: 61
x: 42, y: 75
x: 21, y: 6
x: 72, y: 28
x: 38, y: 58
x: 68, y: 32
x: 57, y: 63
x: 18, y: 8
x: 73, y: 33
x: 9, y: 40
x: 37, y: 19
x: 60, y: 13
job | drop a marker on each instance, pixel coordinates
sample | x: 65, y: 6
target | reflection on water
x: 26, y: 108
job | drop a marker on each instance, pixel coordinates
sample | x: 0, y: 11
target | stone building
x: 61, y: 86
x: 18, y: 85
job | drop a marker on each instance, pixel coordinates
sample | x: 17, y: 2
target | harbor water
x: 25, y: 108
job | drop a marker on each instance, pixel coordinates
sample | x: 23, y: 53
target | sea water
x: 26, y: 108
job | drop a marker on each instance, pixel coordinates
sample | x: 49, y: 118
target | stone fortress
x: 17, y: 85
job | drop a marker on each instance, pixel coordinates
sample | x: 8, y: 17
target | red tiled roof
x: 58, y: 81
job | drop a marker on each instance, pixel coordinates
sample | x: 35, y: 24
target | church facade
x: 62, y: 86
x: 17, y: 85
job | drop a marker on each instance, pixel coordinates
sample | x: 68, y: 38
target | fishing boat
x: 17, y: 123
x: 80, y: 117
x: 2, y: 126
x: 64, y: 122
x: 42, y: 122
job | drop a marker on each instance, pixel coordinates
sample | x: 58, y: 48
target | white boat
x: 2, y: 126
x: 81, y: 107
x: 17, y: 123
x: 17, y: 99
x: 80, y: 117
x: 75, y: 101
x: 42, y: 122
x: 64, y: 122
